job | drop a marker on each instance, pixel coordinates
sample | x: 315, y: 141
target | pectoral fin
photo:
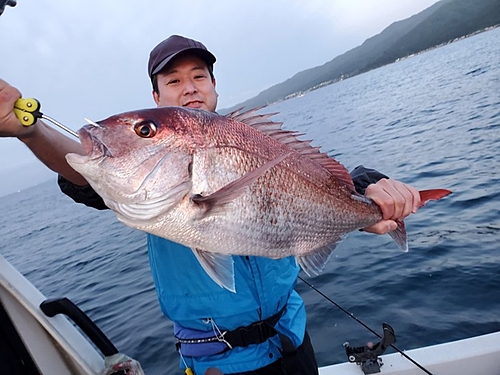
x: 219, y: 267
x: 215, y: 202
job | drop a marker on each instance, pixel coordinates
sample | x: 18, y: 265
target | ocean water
x: 432, y: 120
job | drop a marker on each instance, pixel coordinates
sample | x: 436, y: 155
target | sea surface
x: 432, y: 120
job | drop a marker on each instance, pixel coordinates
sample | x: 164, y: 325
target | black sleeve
x: 81, y: 194
x: 362, y: 177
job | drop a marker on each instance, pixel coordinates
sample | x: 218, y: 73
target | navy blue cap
x: 161, y: 55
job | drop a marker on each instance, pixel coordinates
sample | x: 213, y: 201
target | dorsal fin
x: 274, y: 129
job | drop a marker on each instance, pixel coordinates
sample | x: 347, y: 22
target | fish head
x: 139, y: 162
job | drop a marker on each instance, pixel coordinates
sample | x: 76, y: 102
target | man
x: 265, y: 320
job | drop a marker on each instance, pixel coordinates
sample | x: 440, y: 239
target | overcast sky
x: 88, y: 58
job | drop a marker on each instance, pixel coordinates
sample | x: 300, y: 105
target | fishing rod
x: 364, y: 325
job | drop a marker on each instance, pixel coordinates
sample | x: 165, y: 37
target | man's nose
x: 190, y: 88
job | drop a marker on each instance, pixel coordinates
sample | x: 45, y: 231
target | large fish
x: 224, y: 185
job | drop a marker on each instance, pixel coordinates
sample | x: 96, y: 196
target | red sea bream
x: 225, y: 185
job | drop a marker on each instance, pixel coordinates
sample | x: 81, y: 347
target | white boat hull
x: 55, y: 345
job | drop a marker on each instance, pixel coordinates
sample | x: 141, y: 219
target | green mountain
x: 441, y: 23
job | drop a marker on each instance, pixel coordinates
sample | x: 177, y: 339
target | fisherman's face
x: 186, y: 82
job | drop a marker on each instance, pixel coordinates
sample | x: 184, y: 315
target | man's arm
x: 81, y: 194
x: 363, y: 177
x: 49, y: 145
x: 396, y: 199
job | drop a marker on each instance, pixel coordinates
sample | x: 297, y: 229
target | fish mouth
x: 93, y: 145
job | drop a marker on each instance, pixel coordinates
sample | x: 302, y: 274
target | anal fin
x: 313, y: 263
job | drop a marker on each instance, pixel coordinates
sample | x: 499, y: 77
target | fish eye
x: 145, y: 129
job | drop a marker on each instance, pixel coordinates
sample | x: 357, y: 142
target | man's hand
x: 10, y: 126
x: 396, y: 200
x: 213, y: 371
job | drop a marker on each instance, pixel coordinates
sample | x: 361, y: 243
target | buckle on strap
x: 221, y: 338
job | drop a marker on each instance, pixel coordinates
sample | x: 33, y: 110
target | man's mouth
x: 194, y: 104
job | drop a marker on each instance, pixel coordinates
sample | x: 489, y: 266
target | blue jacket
x: 188, y: 296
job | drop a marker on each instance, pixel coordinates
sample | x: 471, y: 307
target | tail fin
x: 434, y: 194
x: 399, y: 234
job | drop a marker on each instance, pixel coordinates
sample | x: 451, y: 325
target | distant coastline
x: 447, y: 21
x: 346, y: 76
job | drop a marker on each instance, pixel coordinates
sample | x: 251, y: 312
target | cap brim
x: 203, y: 54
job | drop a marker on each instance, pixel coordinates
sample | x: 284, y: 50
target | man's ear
x: 156, y: 97
x: 214, y: 83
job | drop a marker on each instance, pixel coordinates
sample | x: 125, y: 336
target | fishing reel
x: 368, y: 356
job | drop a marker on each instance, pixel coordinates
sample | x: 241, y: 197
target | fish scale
x: 299, y: 221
